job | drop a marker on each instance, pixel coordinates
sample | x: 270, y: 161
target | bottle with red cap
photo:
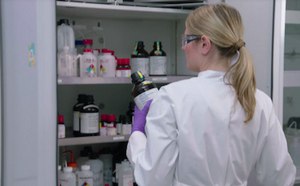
x: 123, y: 67
x: 107, y: 66
x: 88, y: 43
x: 88, y: 61
x: 61, y: 126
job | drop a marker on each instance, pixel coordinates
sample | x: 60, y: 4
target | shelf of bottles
x: 92, y: 140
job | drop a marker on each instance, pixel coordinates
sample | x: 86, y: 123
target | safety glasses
x: 189, y: 38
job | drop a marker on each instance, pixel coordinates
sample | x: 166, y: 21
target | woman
x: 214, y: 129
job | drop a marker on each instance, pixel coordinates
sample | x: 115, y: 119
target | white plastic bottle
x: 59, y: 173
x: 107, y: 66
x: 67, y: 62
x: 85, y: 176
x: 88, y: 64
x: 65, y: 35
x: 97, y: 168
x: 125, y: 174
x: 68, y: 178
x: 107, y: 160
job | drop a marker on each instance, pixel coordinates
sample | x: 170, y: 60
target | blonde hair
x: 223, y: 25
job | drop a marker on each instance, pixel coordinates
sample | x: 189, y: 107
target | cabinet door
x: 287, y: 72
x: 28, y: 92
x: 257, y: 17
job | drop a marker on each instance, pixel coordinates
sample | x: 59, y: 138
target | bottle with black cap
x: 143, y: 90
x: 89, y: 118
x: 76, y: 114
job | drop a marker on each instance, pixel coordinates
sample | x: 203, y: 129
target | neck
x: 214, y: 61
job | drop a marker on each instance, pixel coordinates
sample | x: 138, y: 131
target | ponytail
x: 242, y: 78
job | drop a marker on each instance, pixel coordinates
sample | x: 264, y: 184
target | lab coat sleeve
x: 275, y: 166
x: 154, y: 155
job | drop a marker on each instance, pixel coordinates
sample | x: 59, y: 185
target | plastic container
x: 107, y: 66
x: 88, y: 64
x: 68, y: 178
x: 65, y: 35
x: 158, y: 60
x: 61, y: 127
x: 89, y: 118
x: 142, y: 91
x: 107, y: 160
x: 140, y: 59
x: 125, y: 176
x: 67, y: 62
x: 97, y: 168
x: 85, y: 176
x: 76, y: 113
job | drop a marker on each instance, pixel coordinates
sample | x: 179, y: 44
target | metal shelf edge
x: 99, y: 80
x: 92, y: 140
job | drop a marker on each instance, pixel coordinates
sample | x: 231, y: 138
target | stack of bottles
x: 86, y: 120
x: 153, y: 64
x: 100, y: 63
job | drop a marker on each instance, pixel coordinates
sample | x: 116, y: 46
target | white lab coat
x: 195, y: 136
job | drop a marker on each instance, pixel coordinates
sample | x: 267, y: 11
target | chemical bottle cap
x: 79, y: 42
x: 68, y: 169
x: 88, y: 42
x: 111, y: 118
x: 60, y: 119
x: 63, y: 21
x: 104, y: 117
x: 137, y: 77
x: 72, y: 164
x: 89, y: 98
x: 106, y: 51
x: 81, y: 98
x: 85, y: 167
x: 87, y: 50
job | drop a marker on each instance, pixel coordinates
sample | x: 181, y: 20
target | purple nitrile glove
x: 139, y: 120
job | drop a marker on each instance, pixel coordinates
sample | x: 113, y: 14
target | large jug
x: 65, y: 35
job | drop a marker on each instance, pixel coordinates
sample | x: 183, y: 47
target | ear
x: 205, y: 45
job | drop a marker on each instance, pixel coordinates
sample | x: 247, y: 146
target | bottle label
x: 140, y: 64
x: 88, y: 66
x: 142, y: 99
x: 89, y: 123
x: 128, y: 180
x: 158, y: 65
x: 61, y: 131
x: 76, y: 115
x: 85, y: 180
x: 123, y: 73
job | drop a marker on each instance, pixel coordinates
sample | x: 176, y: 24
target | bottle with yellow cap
x: 143, y: 90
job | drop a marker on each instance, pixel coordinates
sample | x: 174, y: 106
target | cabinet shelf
x: 92, y: 10
x: 113, y: 80
x: 292, y: 78
x: 292, y: 17
x: 92, y: 140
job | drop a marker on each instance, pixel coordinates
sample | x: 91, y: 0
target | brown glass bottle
x: 140, y: 59
x: 158, y: 60
x: 142, y: 90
